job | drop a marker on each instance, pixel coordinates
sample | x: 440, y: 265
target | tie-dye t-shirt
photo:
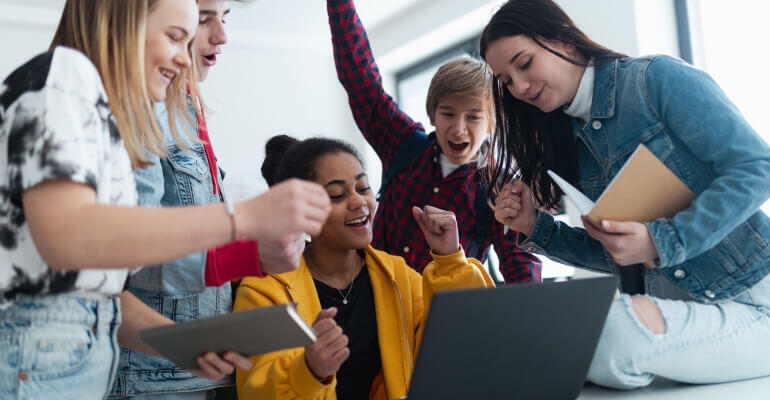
x: 56, y: 124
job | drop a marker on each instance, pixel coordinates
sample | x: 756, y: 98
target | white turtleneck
x: 581, y: 104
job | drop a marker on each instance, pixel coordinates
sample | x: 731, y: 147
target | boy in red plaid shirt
x: 445, y: 174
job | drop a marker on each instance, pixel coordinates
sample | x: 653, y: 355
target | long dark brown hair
x: 527, y: 141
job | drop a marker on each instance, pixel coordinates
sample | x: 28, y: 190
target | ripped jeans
x: 703, y: 343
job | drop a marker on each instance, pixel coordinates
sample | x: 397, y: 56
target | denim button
x: 597, y: 124
x: 709, y: 294
x: 23, y: 376
x: 679, y: 274
x: 406, y: 249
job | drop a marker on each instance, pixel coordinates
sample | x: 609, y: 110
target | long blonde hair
x: 111, y: 34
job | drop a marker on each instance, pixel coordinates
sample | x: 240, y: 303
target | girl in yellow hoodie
x: 366, y: 306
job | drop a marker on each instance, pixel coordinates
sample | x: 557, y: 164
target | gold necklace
x: 326, y: 281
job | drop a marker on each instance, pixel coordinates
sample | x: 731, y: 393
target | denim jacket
x: 176, y: 289
x: 718, y: 247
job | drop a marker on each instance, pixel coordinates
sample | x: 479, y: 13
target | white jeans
x: 703, y: 343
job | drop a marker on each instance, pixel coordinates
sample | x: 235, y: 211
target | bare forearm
x: 72, y: 231
x: 120, y: 237
x: 137, y: 316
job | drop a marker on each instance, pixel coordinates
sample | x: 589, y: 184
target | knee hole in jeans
x: 649, y: 314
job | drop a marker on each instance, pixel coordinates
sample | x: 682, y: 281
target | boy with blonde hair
x: 440, y: 168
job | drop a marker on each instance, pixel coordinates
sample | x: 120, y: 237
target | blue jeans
x: 703, y: 343
x: 58, y: 347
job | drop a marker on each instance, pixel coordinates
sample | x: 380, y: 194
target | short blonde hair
x: 112, y: 35
x: 463, y: 76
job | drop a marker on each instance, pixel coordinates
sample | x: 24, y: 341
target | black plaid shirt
x: 421, y: 183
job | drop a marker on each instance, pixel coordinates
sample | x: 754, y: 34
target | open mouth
x: 358, y: 222
x: 210, y: 59
x: 169, y: 75
x: 458, y: 147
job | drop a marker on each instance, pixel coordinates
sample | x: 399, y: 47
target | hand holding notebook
x: 644, y: 190
x: 250, y: 332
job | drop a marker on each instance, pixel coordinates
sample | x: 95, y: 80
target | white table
x: 663, y: 389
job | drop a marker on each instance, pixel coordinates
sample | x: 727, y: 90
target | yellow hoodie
x: 400, y: 296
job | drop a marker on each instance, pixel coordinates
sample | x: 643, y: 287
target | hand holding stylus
x: 514, y: 207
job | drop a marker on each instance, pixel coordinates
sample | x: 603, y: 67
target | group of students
x: 110, y: 118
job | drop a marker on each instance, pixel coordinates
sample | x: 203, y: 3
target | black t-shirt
x: 359, y: 322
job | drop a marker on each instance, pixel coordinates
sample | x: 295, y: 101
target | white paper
x: 583, y: 203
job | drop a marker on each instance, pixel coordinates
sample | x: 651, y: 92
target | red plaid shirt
x: 421, y: 183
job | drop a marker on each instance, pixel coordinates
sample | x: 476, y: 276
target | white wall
x: 26, y: 29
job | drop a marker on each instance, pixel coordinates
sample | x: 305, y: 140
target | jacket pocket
x: 182, y: 308
x: 188, y: 177
x: 194, y: 164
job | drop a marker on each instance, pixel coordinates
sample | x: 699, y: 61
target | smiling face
x: 170, y: 28
x: 211, y: 34
x: 533, y: 74
x: 349, y: 225
x: 461, y: 126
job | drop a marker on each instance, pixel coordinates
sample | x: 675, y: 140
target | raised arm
x: 377, y: 115
x: 450, y: 269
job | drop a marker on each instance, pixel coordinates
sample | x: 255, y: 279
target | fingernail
x: 606, y: 224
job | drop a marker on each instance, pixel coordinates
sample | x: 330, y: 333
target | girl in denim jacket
x: 197, y: 285
x: 565, y: 103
